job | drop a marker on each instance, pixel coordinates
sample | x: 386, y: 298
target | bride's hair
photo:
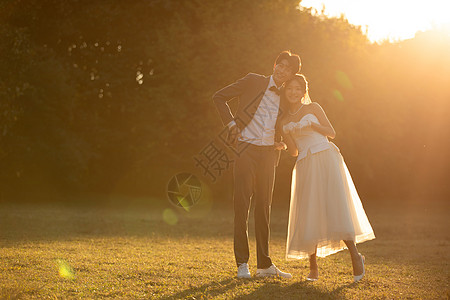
x: 300, y: 78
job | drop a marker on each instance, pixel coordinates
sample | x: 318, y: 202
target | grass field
x: 151, y: 253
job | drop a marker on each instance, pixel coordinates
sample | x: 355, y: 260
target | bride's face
x: 294, y: 91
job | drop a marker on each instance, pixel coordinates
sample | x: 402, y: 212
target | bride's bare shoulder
x: 314, y: 105
x: 316, y: 108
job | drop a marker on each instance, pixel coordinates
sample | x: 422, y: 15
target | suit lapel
x: 260, y: 89
x: 265, y: 83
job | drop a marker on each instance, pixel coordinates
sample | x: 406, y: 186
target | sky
x: 388, y: 19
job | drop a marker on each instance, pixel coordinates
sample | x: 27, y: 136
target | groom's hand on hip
x: 233, y: 134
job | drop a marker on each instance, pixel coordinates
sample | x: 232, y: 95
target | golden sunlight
x: 387, y: 19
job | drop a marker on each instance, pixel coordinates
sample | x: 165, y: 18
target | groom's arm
x: 229, y: 92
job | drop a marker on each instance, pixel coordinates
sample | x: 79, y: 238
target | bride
x: 326, y: 214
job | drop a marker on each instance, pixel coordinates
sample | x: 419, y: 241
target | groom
x: 254, y: 132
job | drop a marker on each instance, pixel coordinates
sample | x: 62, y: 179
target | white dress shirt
x: 261, y: 129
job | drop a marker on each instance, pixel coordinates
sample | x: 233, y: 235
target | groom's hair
x: 293, y: 60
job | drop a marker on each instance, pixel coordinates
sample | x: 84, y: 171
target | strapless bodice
x: 307, y: 139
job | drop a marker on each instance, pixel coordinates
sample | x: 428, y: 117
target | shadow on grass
x: 269, y: 290
x: 209, y: 290
x: 297, y: 290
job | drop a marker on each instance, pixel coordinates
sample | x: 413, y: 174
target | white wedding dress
x: 325, y: 208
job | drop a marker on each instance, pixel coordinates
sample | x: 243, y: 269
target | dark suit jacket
x: 249, y: 90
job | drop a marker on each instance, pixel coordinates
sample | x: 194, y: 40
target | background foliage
x: 114, y: 97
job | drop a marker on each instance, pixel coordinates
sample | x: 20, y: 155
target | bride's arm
x: 291, y: 146
x: 325, y: 126
x: 288, y: 140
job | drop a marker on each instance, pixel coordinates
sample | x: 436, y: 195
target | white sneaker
x: 272, y: 271
x: 243, y: 271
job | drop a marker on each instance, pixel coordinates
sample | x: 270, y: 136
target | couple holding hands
x: 326, y: 215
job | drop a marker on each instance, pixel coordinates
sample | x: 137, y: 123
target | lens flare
x: 338, y: 95
x: 65, y: 270
x: 184, y: 203
x: 184, y: 190
x: 343, y: 80
x: 170, y: 217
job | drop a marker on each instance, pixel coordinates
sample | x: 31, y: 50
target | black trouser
x: 254, y: 175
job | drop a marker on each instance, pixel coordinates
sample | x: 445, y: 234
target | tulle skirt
x: 325, y: 208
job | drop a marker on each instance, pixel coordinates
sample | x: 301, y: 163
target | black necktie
x: 274, y: 89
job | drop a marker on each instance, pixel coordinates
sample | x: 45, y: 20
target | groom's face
x: 282, y: 72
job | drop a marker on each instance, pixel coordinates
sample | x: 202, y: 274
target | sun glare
x: 387, y: 19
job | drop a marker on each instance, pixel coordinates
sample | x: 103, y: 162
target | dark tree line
x: 113, y: 97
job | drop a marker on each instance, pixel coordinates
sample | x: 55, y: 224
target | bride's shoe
x: 311, y: 277
x: 359, y: 277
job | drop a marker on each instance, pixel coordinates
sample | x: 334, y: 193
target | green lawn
x: 135, y: 253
